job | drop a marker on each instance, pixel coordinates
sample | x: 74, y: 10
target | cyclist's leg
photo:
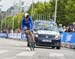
x: 27, y: 41
x: 33, y: 39
x: 32, y: 36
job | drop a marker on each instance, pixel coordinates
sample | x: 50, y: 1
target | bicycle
x: 31, y: 43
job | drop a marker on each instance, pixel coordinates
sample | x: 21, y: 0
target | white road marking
x: 3, y: 51
x: 56, y: 55
x: 26, y: 53
x: 10, y: 58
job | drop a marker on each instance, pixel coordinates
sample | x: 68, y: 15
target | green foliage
x: 65, y: 13
x: 65, y: 10
x: 40, y: 8
x: 12, y: 19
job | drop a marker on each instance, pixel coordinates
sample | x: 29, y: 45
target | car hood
x: 48, y: 32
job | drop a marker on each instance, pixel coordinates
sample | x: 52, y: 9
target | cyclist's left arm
x: 31, y: 23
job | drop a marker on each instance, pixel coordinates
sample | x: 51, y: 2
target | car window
x: 46, y: 26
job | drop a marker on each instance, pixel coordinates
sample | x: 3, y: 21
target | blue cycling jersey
x: 28, y: 24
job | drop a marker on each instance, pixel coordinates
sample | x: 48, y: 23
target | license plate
x: 46, y: 40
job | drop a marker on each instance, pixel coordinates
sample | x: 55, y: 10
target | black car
x: 47, y: 34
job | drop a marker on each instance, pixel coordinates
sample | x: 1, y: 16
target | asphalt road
x: 14, y: 49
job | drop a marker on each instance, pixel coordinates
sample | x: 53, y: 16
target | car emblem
x: 46, y: 36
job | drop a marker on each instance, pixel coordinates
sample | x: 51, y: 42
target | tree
x: 65, y: 10
x: 40, y: 8
x: 9, y: 21
x: 70, y: 11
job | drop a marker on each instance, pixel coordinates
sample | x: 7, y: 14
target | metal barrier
x: 67, y: 38
x: 4, y: 35
x: 20, y: 36
x: 14, y: 35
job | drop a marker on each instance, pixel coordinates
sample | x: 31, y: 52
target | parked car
x: 47, y: 34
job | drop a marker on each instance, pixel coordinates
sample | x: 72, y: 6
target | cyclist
x: 27, y: 24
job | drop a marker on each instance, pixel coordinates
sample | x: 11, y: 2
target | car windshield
x: 46, y: 26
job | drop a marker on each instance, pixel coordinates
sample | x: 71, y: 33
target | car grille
x: 46, y: 36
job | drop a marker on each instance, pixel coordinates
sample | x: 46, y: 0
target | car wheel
x: 57, y: 47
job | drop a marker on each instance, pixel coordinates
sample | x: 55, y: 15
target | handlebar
x: 27, y: 31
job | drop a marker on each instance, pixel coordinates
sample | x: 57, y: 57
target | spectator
x: 72, y: 28
x: 67, y: 29
x: 4, y: 31
x: 61, y: 28
x: 64, y: 28
x: 19, y: 30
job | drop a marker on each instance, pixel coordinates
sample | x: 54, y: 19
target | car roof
x: 45, y: 21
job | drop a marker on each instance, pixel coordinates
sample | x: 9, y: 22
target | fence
x: 67, y: 38
x: 20, y: 36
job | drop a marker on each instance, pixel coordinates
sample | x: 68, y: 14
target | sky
x: 8, y: 3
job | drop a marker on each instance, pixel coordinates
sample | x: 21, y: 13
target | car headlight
x: 36, y: 35
x: 57, y: 37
